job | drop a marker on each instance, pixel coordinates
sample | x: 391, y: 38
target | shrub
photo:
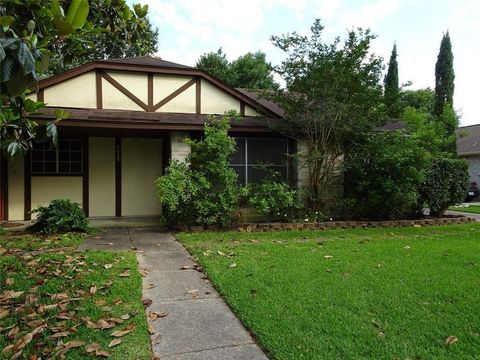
x: 383, y: 177
x: 446, y: 184
x: 273, y: 199
x: 60, y: 216
x: 204, y: 189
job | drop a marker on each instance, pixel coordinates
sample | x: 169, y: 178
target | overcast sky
x: 189, y: 28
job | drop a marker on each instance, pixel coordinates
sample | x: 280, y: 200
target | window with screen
x: 65, y: 159
x: 256, y: 158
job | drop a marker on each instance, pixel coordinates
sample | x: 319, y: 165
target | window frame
x: 247, y: 164
x: 57, y: 161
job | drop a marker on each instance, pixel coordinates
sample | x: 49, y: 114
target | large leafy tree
x: 444, y: 76
x: 392, y: 89
x: 120, y: 31
x: 214, y: 63
x: 333, y: 95
x: 420, y: 99
x: 250, y: 71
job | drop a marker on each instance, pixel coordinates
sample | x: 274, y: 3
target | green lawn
x: 31, y: 242
x: 70, y: 300
x: 474, y: 209
x: 351, y: 294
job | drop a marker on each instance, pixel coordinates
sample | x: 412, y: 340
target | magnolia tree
x: 333, y: 94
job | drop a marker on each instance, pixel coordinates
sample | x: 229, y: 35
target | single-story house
x: 468, y: 148
x: 128, y: 118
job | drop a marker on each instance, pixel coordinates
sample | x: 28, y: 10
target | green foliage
x: 333, y: 96
x: 392, y: 89
x: 117, y: 31
x: 446, y: 184
x: 444, y: 76
x: 25, y: 45
x: 274, y: 200
x: 438, y: 138
x: 250, y: 71
x: 420, y: 99
x: 214, y: 63
x: 60, y: 216
x: 204, y: 190
x: 383, y: 177
x: 2, y: 231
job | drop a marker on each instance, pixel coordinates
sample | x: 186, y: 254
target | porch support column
x: 118, y: 176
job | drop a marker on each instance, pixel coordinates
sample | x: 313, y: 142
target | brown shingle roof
x: 269, y: 104
x: 468, y: 141
x: 146, y: 61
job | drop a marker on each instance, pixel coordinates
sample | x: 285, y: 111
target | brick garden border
x: 251, y: 227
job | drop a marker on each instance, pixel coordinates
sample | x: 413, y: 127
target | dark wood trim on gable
x: 27, y: 187
x: 101, y: 66
x: 198, y: 96
x: 124, y: 90
x: 118, y: 176
x: 99, y: 89
x: 150, y: 92
x: 85, y: 178
x: 173, y: 95
x: 40, y: 96
x: 242, y: 108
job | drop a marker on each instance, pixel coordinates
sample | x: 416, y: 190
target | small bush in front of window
x: 60, y: 216
x: 273, y: 199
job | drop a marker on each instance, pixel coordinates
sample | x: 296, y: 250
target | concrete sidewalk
x: 199, y: 325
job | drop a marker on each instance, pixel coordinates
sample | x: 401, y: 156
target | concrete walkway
x: 199, y: 325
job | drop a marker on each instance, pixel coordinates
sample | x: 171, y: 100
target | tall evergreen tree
x: 392, y: 89
x: 444, y: 76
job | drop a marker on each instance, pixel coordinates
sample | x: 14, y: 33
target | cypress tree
x: 444, y: 76
x: 392, y: 89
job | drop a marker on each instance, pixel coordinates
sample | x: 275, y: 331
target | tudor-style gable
x: 146, y: 85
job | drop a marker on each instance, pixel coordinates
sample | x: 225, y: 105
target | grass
x: 351, y: 294
x: 90, y: 291
x: 474, y: 209
x: 33, y: 242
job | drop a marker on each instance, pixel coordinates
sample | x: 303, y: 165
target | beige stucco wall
x: 78, y: 92
x: 164, y: 85
x: 179, y: 150
x: 250, y: 111
x: 141, y: 166
x: 217, y: 101
x: 303, y: 174
x: 101, y: 176
x: 112, y: 98
x: 16, y: 188
x: 48, y: 188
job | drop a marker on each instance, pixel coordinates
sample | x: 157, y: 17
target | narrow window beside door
x: 65, y: 159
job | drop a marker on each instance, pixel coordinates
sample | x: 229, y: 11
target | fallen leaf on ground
x: 154, y: 315
x: 92, y: 347
x: 146, y: 302
x: 126, y: 273
x: 114, y: 342
x: 157, y: 339
x: 149, y: 286
x: 186, y: 267
x: 328, y: 257
x: 9, y: 281
x: 102, y: 353
x: 151, y: 329
x: 451, y: 340
x: 120, y: 333
x: 74, y: 344
x: 108, y: 266
x: 232, y: 265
